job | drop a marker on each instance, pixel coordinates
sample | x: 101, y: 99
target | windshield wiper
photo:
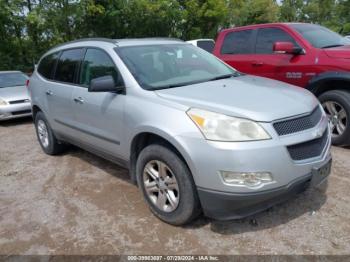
x: 173, y: 85
x: 5, y: 86
x: 330, y: 46
x: 222, y: 77
x: 151, y: 88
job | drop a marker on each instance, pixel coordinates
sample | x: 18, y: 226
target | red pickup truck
x: 304, y: 55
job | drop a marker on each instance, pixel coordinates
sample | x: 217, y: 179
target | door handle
x: 79, y: 100
x: 257, y: 63
x: 49, y: 93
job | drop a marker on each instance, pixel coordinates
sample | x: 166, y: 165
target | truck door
x: 288, y: 68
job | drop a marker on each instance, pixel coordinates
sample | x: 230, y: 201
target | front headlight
x: 219, y: 127
x: 3, y: 102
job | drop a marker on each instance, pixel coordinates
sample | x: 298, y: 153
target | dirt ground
x: 77, y: 203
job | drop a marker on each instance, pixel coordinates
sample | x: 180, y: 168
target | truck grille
x: 309, y: 149
x: 298, y: 124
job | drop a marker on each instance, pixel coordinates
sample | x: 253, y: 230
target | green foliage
x: 28, y: 28
x: 292, y: 10
x: 201, y: 19
x: 246, y: 12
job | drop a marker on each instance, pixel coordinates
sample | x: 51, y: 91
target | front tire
x: 46, y: 137
x: 167, y: 185
x: 336, y: 104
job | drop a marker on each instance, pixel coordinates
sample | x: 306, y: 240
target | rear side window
x: 97, y: 63
x: 47, y: 65
x: 68, y: 65
x: 237, y: 42
x: 207, y: 45
x: 268, y: 36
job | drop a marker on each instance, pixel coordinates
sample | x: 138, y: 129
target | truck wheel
x: 167, y: 185
x: 46, y: 137
x: 336, y: 104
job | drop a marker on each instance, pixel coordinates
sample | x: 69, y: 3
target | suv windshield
x: 172, y: 65
x: 319, y: 36
x: 12, y: 79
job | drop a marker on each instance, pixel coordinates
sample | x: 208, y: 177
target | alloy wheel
x: 43, y: 133
x: 337, y: 117
x: 161, y: 185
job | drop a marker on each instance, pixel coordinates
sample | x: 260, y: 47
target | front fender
x: 317, y: 83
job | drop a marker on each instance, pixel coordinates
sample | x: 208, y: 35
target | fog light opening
x: 248, y: 179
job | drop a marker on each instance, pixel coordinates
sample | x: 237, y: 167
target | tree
x: 343, y: 15
x: 28, y: 28
x: 252, y: 12
x: 292, y: 11
x: 202, y: 19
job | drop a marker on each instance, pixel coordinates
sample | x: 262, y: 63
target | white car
x: 206, y: 44
x: 347, y: 37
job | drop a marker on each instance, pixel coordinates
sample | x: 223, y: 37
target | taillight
x: 27, y: 82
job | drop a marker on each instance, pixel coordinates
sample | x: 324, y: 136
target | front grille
x: 19, y: 101
x: 21, y: 112
x: 298, y: 124
x: 309, y: 149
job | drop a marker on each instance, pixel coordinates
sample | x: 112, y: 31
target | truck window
x: 268, y: 36
x: 237, y: 42
x: 319, y: 36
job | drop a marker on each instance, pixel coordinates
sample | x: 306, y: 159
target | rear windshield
x: 12, y: 79
x: 319, y: 36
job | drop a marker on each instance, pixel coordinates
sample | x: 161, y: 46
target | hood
x: 338, y: 52
x: 256, y: 98
x: 14, y: 93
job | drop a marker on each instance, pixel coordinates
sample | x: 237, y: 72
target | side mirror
x: 104, y: 84
x: 287, y: 48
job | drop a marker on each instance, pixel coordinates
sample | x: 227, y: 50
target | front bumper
x: 15, y: 111
x: 207, y: 158
x: 225, y: 201
x: 226, y: 206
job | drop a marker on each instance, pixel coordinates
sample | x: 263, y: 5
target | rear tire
x: 337, y: 106
x: 171, y: 193
x: 46, y: 137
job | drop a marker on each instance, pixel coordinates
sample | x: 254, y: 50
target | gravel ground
x: 77, y: 203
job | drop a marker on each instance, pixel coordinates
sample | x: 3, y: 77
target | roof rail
x: 102, y: 39
x: 148, y: 38
x: 114, y: 41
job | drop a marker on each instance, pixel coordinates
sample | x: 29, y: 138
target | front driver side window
x: 268, y: 36
x: 97, y: 64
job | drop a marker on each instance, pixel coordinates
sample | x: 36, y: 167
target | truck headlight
x: 248, y: 179
x: 219, y: 127
x: 3, y: 102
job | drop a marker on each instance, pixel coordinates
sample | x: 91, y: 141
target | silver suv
x: 195, y: 134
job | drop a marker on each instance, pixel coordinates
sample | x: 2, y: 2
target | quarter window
x: 238, y: 42
x: 97, y: 64
x: 47, y: 65
x: 68, y: 65
x: 268, y: 36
